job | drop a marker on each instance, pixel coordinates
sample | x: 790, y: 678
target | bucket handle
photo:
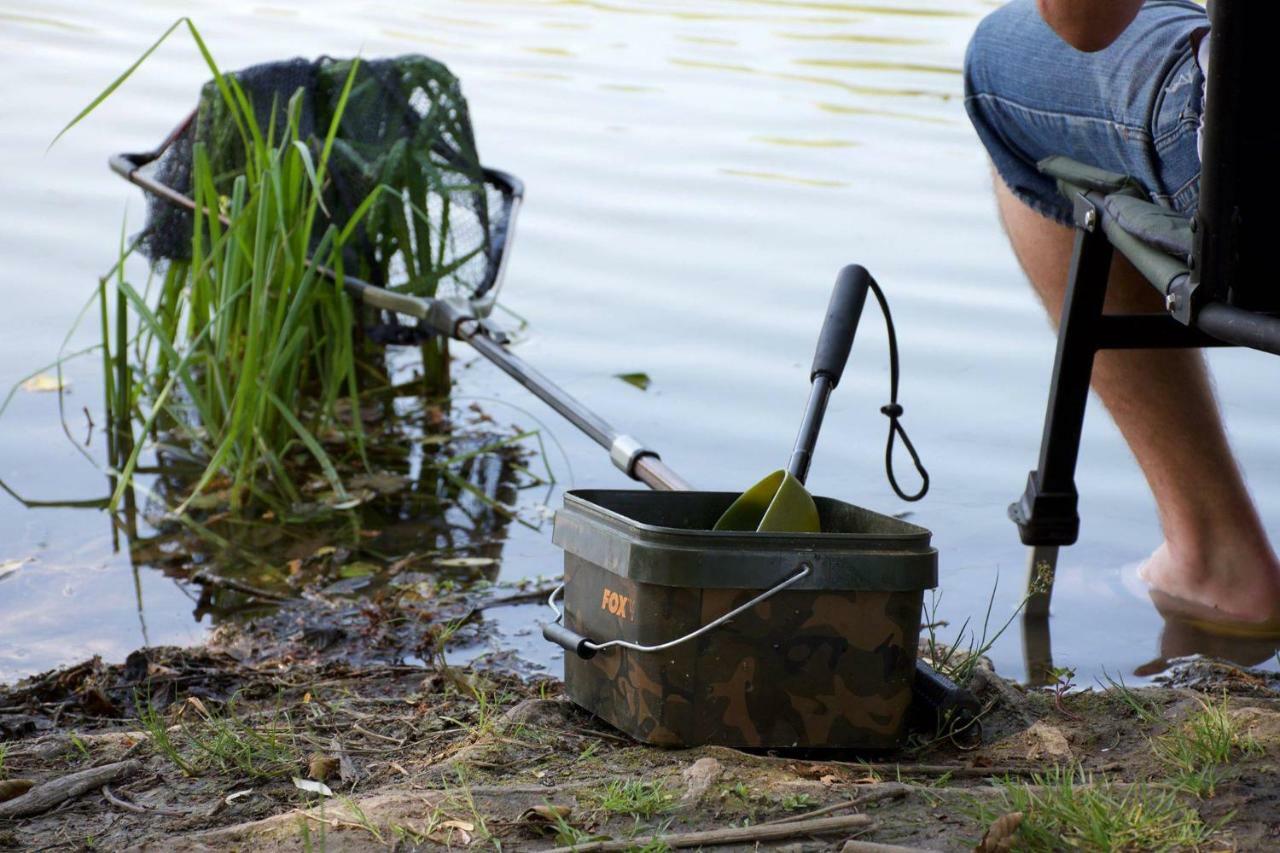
x: 584, y: 648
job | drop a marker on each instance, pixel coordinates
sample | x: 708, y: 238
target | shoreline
x: 262, y: 738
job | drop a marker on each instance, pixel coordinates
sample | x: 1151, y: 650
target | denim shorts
x: 1132, y: 108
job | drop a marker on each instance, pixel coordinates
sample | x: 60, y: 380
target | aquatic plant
x: 242, y: 354
x: 239, y: 355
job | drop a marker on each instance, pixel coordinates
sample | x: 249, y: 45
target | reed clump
x: 242, y: 353
x: 245, y: 350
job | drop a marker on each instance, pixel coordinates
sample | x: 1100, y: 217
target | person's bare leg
x: 1216, y: 552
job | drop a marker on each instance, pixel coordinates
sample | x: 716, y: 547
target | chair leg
x: 1047, y: 514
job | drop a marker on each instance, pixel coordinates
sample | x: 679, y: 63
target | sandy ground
x: 220, y: 748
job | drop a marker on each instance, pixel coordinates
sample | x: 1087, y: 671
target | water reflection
x: 446, y: 491
x: 785, y: 179
x: 854, y: 38
x: 804, y: 143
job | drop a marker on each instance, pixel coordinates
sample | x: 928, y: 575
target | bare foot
x: 1239, y: 585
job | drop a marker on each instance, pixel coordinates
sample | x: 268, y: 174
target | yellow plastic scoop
x: 780, y: 503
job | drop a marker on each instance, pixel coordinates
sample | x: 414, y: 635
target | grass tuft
x: 222, y: 743
x: 959, y: 659
x: 244, y: 356
x: 1146, y: 711
x: 797, y: 802
x: 1197, y: 751
x: 636, y: 798
x: 157, y: 729
x: 244, y: 351
x: 1066, y: 808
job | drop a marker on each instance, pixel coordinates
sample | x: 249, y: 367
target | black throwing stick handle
x: 843, y: 313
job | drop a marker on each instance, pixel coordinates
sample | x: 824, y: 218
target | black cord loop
x: 893, y: 410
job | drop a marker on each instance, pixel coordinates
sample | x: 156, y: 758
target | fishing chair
x: 1215, y: 273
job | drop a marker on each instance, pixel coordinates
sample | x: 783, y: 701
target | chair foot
x: 1046, y: 518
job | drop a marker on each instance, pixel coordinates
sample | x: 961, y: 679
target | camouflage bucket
x: 679, y: 635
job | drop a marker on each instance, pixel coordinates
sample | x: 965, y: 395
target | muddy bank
x: 251, y: 743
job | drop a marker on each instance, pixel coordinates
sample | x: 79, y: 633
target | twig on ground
x: 531, y: 596
x: 111, y: 797
x: 733, y: 835
x: 356, y: 727
x: 855, y: 846
x: 52, y: 793
x: 957, y: 771
x: 119, y: 803
x: 206, y: 579
x: 885, y: 791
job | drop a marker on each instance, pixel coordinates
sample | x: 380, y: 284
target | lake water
x: 697, y: 172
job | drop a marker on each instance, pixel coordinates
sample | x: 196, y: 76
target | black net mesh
x: 438, y: 225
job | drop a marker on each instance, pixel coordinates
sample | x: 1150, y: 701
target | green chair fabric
x: 1158, y: 227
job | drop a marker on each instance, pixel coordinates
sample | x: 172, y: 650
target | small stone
x: 1046, y: 742
x: 1261, y: 725
x: 699, y: 776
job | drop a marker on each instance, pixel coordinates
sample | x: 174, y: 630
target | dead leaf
x: 829, y: 779
x: 238, y: 795
x: 382, y: 482
x: 11, y: 788
x: 544, y: 817
x: 312, y: 787
x: 321, y: 767
x: 999, y: 837
x: 43, y: 383
x: 346, y: 767
x: 635, y: 380
x: 96, y: 702
x: 192, y: 704
x: 351, y: 499
x: 400, y: 564
x: 453, y: 832
x: 359, y: 569
x: 466, y: 562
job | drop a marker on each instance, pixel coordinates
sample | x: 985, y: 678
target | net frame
x: 504, y: 194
